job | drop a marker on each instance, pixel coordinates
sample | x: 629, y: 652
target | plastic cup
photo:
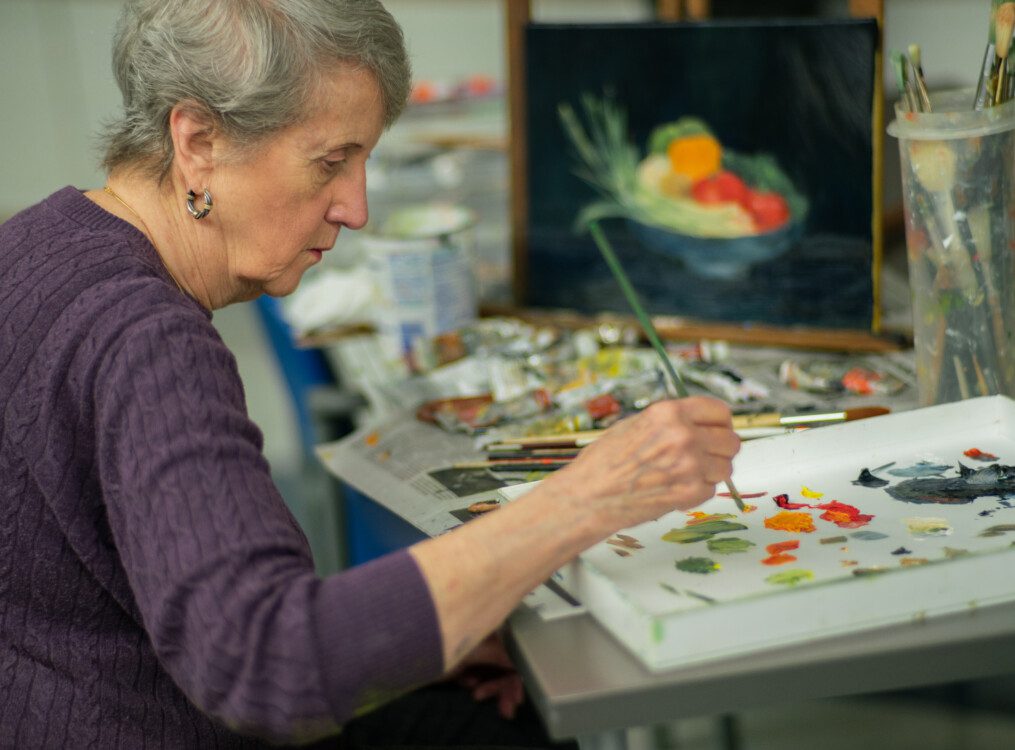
x: 958, y: 182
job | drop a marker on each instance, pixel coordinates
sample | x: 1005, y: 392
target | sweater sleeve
x: 221, y: 575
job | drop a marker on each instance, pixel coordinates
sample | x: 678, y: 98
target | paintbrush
x: 1004, y: 24
x: 916, y: 75
x: 772, y: 419
x: 581, y: 439
x: 527, y: 465
x: 983, y: 82
x: 517, y: 452
x: 675, y: 381
x: 531, y: 442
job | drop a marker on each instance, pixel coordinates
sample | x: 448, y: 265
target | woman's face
x: 281, y: 204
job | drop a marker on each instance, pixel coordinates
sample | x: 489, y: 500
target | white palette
x: 670, y: 618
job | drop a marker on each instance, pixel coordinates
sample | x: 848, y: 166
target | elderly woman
x: 153, y: 587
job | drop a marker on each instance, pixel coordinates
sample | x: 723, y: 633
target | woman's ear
x: 194, y: 134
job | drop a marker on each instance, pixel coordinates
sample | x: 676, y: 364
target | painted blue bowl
x: 718, y: 257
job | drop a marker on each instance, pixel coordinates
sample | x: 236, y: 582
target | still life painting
x: 731, y: 164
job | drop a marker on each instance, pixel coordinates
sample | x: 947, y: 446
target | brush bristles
x: 914, y: 55
x: 865, y: 412
x: 1003, y: 29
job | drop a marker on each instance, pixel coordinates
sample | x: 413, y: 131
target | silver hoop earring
x: 207, y: 204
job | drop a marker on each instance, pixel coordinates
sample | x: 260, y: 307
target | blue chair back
x: 302, y: 369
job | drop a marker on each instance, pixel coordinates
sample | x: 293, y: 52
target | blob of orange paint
x: 790, y: 521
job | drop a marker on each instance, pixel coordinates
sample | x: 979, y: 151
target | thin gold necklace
x: 151, y: 237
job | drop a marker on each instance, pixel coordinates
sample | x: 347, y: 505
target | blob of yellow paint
x: 812, y: 494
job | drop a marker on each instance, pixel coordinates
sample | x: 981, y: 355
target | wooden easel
x: 518, y: 13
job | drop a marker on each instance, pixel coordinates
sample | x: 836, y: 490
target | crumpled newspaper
x: 331, y: 298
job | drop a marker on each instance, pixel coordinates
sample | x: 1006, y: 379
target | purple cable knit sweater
x: 154, y: 589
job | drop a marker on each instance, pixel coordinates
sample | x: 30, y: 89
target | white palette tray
x: 849, y: 577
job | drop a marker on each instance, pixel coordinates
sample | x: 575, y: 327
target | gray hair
x: 253, y: 65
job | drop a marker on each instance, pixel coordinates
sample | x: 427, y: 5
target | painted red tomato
x: 769, y: 210
x: 722, y: 187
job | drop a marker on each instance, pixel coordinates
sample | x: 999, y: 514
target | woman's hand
x: 670, y: 456
x: 489, y: 673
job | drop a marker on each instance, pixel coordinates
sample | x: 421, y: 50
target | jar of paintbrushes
x: 958, y: 180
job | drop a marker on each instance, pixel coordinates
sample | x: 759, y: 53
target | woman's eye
x: 330, y: 166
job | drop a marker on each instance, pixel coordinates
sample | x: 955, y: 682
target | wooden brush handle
x: 768, y: 419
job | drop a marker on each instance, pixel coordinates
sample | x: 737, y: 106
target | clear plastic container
x: 958, y: 182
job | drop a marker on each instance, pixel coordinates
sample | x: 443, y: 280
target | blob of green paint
x: 790, y: 577
x: 729, y: 545
x: 999, y: 530
x: 700, y: 565
x: 699, y: 532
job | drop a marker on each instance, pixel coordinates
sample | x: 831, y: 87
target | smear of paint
x: 372, y: 439
x: 789, y: 521
x: 699, y: 532
x: 790, y: 577
x: 687, y: 592
x: 868, y: 536
x: 970, y: 484
x: 849, y: 563
x: 729, y: 545
x: 744, y: 495
x: 698, y: 518
x: 842, y: 515
x: 783, y: 502
x: 864, y: 572
x: 483, y: 506
x: 699, y: 565
x: 951, y: 552
x: 927, y: 526
x: 908, y: 562
x: 999, y: 530
x: 778, y: 552
x: 657, y: 631
x: 978, y: 455
x: 866, y: 479
x: 625, y: 541
x: 622, y: 552
x: 902, y: 551
x: 920, y: 469
x: 811, y: 494
x: 834, y: 540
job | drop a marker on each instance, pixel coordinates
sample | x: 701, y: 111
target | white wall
x: 57, y: 87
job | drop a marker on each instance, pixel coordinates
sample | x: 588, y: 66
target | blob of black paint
x: 866, y: 479
x: 997, y: 480
x: 902, y: 551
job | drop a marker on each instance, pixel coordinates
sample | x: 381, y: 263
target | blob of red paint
x: 844, y: 516
x: 979, y: 455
